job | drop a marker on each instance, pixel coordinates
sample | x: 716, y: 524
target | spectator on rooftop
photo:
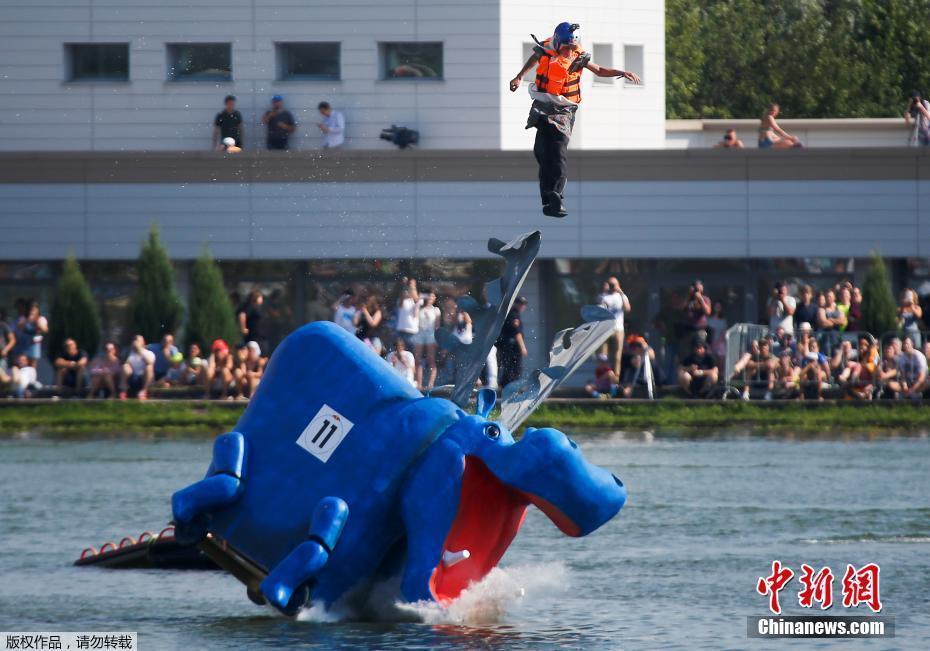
x: 729, y: 141
x: 917, y: 115
x: 332, y: 127
x: 138, y: 371
x: 229, y: 146
x: 781, y: 308
x: 772, y: 136
x: 280, y: 124
x: 698, y: 372
x: 105, y: 371
x: 70, y: 366
x: 228, y: 124
x: 615, y: 301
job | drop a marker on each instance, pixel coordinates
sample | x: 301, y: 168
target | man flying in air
x: 556, y: 94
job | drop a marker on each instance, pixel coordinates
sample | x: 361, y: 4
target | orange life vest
x: 553, y: 75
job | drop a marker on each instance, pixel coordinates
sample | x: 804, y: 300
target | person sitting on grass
x: 757, y: 367
x: 196, y: 366
x: 176, y: 373
x: 69, y: 367
x: 698, y: 372
x: 219, y: 378
x: 635, y: 373
x: 605, y: 383
x: 814, y: 372
x: 138, y: 371
x: 105, y: 371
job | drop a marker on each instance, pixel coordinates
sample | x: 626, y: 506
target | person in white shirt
x: 425, y: 352
x: 23, y: 377
x: 333, y: 126
x: 616, y: 302
x: 781, y: 309
x: 345, y: 314
x: 139, y: 370
x: 408, y: 313
x: 402, y: 361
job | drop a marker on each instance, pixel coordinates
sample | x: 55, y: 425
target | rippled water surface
x: 677, y: 569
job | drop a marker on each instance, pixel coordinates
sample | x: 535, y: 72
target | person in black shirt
x: 698, y: 372
x: 228, y: 124
x: 280, y: 124
x: 806, y: 311
x: 70, y: 365
x: 249, y: 317
x: 511, y: 348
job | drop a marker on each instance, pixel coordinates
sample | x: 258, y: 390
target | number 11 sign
x: 324, y: 433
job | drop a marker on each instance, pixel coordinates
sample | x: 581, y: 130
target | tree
x: 210, y: 315
x: 879, y: 312
x: 74, y: 313
x: 155, y: 308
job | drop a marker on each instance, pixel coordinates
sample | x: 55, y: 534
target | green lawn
x: 191, y: 417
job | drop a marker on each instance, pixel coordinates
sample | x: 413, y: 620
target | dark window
x: 411, y: 60
x: 196, y: 61
x: 308, y: 61
x: 92, y: 61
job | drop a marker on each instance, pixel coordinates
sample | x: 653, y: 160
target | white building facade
x: 124, y: 75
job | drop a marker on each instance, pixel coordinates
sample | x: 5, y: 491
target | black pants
x: 509, y: 365
x: 551, y: 150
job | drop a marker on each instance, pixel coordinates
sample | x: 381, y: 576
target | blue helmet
x: 564, y: 34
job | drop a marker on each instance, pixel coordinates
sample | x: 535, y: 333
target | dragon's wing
x: 468, y: 359
x: 569, y: 351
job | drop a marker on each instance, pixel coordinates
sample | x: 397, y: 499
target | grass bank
x: 198, y: 417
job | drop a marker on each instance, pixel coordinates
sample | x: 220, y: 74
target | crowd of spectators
x: 279, y: 123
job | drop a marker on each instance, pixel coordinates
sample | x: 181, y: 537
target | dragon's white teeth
x: 452, y: 558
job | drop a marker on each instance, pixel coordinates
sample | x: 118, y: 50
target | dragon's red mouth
x: 489, y: 515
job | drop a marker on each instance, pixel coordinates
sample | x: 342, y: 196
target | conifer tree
x: 74, y: 312
x: 155, y: 308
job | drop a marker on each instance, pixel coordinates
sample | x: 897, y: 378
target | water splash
x: 484, y: 603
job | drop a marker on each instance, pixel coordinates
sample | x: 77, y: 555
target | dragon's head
x: 458, y: 530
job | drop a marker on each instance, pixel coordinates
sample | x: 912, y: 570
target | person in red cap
x: 219, y: 369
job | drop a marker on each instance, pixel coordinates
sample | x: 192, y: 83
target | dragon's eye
x: 492, y: 431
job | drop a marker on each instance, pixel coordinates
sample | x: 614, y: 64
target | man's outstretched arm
x: 601, y: 71
x: 515, y: 82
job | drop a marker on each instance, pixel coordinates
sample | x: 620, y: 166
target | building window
x: 200, y: 61
x: 633, y: 61
x: 310, y: 61
x: 411, y: 60
x: 603, y: 55
x: 97, y: 61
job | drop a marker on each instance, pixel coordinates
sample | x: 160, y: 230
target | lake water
x: 677, y: 569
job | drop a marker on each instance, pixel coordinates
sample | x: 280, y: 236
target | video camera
x: 400, y: 136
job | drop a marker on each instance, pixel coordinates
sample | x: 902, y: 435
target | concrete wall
x: 445, y: 204
x: 866, y: 132
x: 469, y: 109
x: 614, y: 115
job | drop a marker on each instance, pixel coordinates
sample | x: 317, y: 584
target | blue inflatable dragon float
x: 340, y: 475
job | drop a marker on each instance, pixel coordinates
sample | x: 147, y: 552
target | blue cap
x: 277, y: 98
